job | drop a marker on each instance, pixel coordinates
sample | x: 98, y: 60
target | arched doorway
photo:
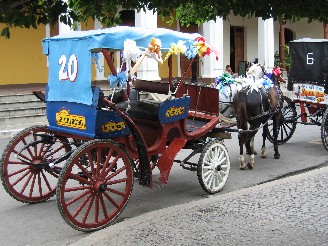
x: 127, y: 17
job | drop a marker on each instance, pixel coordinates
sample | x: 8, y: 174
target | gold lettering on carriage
x: 112, y: 126
x: 63, y: 118
x: 173, y: 111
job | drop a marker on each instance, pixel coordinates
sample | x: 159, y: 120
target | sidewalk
x: 290, y: 211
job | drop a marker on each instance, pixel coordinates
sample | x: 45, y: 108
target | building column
x: 325, y: 30
x: 101, y: 61
x: 213, y: 34
x: 266, y: 43
x: 148, y: 69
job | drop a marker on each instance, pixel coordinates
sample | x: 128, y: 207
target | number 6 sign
x: 309, y: 60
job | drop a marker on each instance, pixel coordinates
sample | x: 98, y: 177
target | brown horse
x: 254, y: 106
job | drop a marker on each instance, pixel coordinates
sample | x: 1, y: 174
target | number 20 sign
x: 71, y: 71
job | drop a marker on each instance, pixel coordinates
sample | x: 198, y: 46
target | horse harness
x: 248, y: 90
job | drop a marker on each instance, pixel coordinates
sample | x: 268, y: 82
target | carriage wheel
x: 213, y: 167
x: 324, y: 129
x: 95, y: 185
x: 31, y: 163
x: 287, y: 123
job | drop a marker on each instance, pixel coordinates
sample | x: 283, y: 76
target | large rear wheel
x: 31, y: 163
x: 95, y: 185
x: 213, y: 167
x: 324, y: 129
x: 287, y: 122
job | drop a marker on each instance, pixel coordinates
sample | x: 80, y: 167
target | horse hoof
x: 277, y: 156
x: 263, y: 156
x: 250, y: 166
x: 242, y: 167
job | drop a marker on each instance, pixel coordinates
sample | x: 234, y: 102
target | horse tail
x: 239, y: 104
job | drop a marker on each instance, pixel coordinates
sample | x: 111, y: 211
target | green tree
x: 31, y: 13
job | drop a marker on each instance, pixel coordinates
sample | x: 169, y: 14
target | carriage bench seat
x: 141, y: 109
x: 164, y: 112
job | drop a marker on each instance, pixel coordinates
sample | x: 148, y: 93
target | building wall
x: 300, y: 29
x: 163, y: 69
x: 22, y: 60
x: 250, y: 37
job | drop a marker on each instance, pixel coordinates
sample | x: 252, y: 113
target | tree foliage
x: 31, y: 13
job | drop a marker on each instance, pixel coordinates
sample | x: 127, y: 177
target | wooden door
x: 238, y: 46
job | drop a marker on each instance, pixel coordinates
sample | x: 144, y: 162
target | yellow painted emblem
x: 112, y: 126
x: 63, y: 118
x: 173, y: 111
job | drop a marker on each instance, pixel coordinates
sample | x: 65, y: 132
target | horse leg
x: 252, y: 147
x: 251, y: 161
x: 275, y: 135
x: 241, y: 157
x: 264, y: 136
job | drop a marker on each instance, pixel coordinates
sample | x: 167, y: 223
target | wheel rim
x: 95, y: 185
x: 214, y: 167
x: 37, y: 181
x: 287, y: 124
x: 324, y: 129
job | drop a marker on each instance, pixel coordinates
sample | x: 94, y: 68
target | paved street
x: 41, y: 224
x: 291, y: 211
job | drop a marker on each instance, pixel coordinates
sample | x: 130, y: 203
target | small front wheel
x: 213, y: 167
x: 324, y: 129
x: 94, y: 185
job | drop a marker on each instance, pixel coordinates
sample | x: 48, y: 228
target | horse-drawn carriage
x: 308, y: 82
x: 96, y: 145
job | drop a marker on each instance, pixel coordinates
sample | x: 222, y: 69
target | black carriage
x: 307, y: 81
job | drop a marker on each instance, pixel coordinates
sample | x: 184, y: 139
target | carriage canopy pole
x: 111, y: 66
x: 184, y: 75
x: 109, y: 61
x: 170, y: 72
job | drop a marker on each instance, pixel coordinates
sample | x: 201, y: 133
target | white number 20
x: 72, y: 68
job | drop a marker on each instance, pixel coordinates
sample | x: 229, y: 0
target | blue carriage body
x: 72, y: 100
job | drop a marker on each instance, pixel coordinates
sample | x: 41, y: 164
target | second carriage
x: 308, y: 86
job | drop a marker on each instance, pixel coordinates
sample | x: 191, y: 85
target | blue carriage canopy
x: 309, y: 62
x: 69, y: 56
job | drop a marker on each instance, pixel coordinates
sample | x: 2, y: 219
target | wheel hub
x: 100, y: 186
x: 218, y: 168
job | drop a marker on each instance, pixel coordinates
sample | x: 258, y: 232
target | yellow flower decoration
x: 176, y: 49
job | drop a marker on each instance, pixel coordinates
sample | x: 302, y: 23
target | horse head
x: 256, y: 71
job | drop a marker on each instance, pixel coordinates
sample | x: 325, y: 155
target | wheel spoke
x: 18, y: 172
x: 115, y: 173
x: 77, y: 198
x: 79, y: 178
x: 21, y: 178
x: 103, y: 206
x: 86, y: 214
x: 46, y: 180
x: 82, y: 206
x: 111, y: 200
x: 27, y: 182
